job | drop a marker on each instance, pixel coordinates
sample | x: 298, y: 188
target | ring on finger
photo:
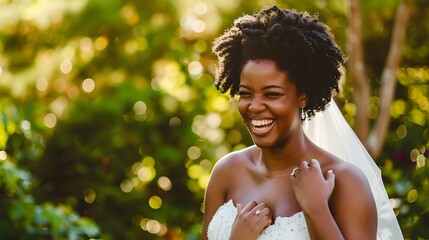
x: 259, y: 213
x: 294, y: 171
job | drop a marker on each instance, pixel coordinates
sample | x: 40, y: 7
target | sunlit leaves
x: 413, y: 76
x: 398, y: 108
x: 19, y: 207
x: 417, y: 110
x: 128, y: 124
x: 62, y: 222
x: 412, y: 195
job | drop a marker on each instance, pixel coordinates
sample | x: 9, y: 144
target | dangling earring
x: 303, y: 116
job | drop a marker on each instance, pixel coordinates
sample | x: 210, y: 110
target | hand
x: 250, y: 221
x: 312, y: 189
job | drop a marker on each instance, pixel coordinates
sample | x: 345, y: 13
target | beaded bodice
x: 293, y: 227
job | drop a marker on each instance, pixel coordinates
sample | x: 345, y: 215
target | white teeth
x: 259, y: 123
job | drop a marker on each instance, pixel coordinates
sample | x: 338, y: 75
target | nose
x: 257, y: 105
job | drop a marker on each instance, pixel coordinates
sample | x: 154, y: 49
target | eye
x: 244, y: 94
x: 273, y: 94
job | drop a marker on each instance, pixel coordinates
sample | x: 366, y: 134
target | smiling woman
x: 268, y: 108
x: 286, y: 67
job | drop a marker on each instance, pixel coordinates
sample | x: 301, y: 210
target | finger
x: 264, y: 218
x: 315, y: 163
x: 263, y: 223
x: 251, y: 205
x: 261, y: 206
x: 304, y: 165
x: 330, y: 177
x: 239, y: 208
x: 257, y: 210
x: 266, y: 212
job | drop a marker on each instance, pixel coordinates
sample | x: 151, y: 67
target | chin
x: 265, y: 144
x: 269, y: 144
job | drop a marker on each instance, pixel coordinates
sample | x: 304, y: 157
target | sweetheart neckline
x: 294, y: 226
x: 231, y: 202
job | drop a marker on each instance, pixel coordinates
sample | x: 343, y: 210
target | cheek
x: 285, y: 112
x: 242, y: 108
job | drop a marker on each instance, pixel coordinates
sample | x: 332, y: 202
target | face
x: 269, y: 103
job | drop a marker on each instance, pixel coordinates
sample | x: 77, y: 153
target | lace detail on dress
x: 293, y: 227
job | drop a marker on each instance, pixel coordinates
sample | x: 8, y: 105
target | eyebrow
x: 264, y: 88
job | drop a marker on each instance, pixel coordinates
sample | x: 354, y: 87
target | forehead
x: 263, y: 72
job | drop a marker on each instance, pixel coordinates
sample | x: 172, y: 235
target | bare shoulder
x: 352, y: 196
x: 222, y: 180
x: 348, y: 174
x: 350, y: 181
x: 225, y: 172
x: 234, y: 161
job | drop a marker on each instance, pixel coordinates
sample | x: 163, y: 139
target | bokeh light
x: 88, y: 85
x: 414, y: 154
x: 25, y: 125
x: 66, y: 66
x: 164, y: 183
x: 3, y: 155
x: 198, y: 26
x: 153, y: 226
x: 194, y: 152
x: 213, y: 120
x: 174, y: 121
x: 195, y: 171
x: 201, y: 8
x: 50, y: 120
x: 158, y: 79
x: 412, y: 195
x: 101, y: 43
x: 42, y: 84
x: 126, y: 186
x: 146, y: 174
x: 89, y: 195
x: 421, y: 161
x: 59, y: 105
x: 401, y: 131
x: 195, y: 68
x: 155, y: 202
x: 140, y: 108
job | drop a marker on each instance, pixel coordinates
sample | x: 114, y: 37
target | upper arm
x: 353, y: 206
x: 215, y: 192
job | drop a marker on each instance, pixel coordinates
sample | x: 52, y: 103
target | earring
x: 303, y: 116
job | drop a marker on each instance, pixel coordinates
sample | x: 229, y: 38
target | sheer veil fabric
x: 330, y: 131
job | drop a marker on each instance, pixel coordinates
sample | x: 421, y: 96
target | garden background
x: 110, y: 126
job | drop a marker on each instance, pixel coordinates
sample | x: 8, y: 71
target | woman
x: 285, y: 67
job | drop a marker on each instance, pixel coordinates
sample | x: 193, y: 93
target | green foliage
x: 110, y: 126
x: 21, y: 216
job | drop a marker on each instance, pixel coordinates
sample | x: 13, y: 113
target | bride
x: 307, y: 176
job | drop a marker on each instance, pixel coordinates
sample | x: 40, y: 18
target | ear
x: 302, y: 100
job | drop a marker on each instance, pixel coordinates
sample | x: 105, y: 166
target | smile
x: 261, y: 126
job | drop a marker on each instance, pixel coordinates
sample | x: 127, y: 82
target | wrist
x: 316, y: 209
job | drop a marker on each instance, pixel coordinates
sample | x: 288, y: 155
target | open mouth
x: 261, y: 126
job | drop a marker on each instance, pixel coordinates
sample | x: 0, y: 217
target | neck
x: 276, y: 162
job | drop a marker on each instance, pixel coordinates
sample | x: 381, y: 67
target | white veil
x: 330, y: 131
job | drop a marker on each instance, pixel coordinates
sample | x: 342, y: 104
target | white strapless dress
x: 293, y: 227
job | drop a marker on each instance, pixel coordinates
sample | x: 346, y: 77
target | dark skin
x: 327, y: 190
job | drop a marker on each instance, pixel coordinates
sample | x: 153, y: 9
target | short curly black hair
x: 298, y: 42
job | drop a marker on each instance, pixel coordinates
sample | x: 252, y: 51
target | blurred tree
x: 125, y: 125
x: 359, y: 77
x: 21, y: 216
